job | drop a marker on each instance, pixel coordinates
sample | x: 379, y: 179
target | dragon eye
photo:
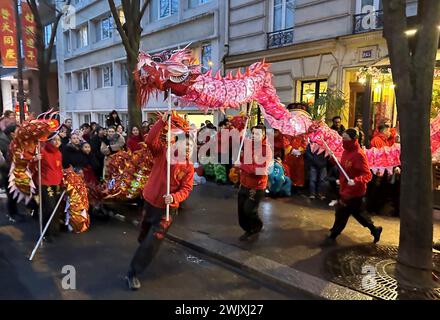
x: 157, y: 59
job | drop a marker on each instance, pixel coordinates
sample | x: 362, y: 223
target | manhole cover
x: 371, y: 270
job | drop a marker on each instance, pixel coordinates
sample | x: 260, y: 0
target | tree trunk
x: 413, y: 69
x: 134, y: 110
x: 414, y: 267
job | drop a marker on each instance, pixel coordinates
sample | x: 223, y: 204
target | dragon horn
x: 209, y: 73
x: 217, y: 75
x: 248, y: 72
x: 238, y: 75
x: 229, y: 76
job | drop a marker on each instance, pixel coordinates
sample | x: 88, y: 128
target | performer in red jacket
x: 255, y: 160
x: 154, y: 225
x: 51, y: 178
x: 355, y: 164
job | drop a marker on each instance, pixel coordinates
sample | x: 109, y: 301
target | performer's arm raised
x: 153, y: 137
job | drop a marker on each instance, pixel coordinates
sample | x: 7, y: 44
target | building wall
x: 196, y: 26
x: 323, y: 46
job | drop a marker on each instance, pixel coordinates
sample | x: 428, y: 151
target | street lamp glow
x: 210, y: 63
x: 411, y: 32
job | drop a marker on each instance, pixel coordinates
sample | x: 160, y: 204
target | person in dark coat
x: 113, y: 119
x: 5, y: 142
x: 95, y: 144
x: 72, y: 154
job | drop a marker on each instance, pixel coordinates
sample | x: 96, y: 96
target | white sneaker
x: 333, y: 203
x: 312, y: 197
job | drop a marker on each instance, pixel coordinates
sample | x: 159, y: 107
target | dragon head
x: 174, y: 70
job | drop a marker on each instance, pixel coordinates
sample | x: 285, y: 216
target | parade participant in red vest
x: 253, y: 181
x: 51, y: 179
x: 382, y: 138
x: 154, y: 225
x: 355, y: 164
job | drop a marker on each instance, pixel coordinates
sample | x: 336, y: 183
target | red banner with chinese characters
x: 8, y: 45
x: 29, y: 43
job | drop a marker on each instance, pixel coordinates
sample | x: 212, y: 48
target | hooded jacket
x: 254, y: 175
x: 182, y: 174
x: 355, y: 164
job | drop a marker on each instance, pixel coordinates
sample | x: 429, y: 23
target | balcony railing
x: 279, y: 38
x: 365, y: 22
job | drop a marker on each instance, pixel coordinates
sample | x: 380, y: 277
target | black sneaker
x: 133, y: 282
x: 245, y: 236
x: 376, y: 234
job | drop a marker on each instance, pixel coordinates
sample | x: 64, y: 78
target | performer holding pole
x: 51, y: 171
x: 161, y: 191
x: 353, y: 164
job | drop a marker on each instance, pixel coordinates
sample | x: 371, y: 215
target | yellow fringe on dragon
x: 77, y: 204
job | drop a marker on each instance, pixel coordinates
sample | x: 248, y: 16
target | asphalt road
x: 101, y: 257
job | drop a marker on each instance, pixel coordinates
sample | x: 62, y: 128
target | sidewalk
x: 287, y: 252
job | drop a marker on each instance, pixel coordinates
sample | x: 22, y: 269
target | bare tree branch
x: 125, y: 40
x: 53, y: 34
x: 141, y: 13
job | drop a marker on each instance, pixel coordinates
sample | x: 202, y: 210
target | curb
x: 269, y: 270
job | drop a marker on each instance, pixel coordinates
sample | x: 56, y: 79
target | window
x: 82, y: 37
x: 196, y: 3
x: 106, y: 28
x: 168, y: 7
x: 206, y: 57
x: 124, y: 74
x: 104, y: 77
x: 283, y: 14
x: 85, y: 118
x: 361, y: 5
x: 83, y: 80
x: 67, y: 42
x: 311, y: 90
x: 47, y: 34
x: 69, y: 82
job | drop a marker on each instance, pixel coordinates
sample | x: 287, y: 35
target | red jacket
x: 133, y: 143
x: 379, y: 141
x: 182, y: 174
x: 254, y: 175
x: 355, y: 163
x: 51, y: 165
x: 390, y: 140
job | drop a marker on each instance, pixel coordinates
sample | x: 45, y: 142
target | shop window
x: 312, y: 89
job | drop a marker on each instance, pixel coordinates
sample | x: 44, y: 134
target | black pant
x: 248, y: 201
x: 49, y: 197
x: 153, y: 229
x: 352, y: 207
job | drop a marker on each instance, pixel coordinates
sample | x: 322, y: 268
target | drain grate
x: 371, y: 270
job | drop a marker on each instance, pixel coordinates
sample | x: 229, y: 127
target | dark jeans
x: 317, y: 180
x: 50, y: 196
x: 352, y: 207
x: 153, y: 229
x: 248, y: 201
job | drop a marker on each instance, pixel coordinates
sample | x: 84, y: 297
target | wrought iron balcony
x: 279, y: 38
x: 365, y: 22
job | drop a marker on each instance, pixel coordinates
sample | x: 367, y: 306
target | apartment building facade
x: 92, y: 71
x: 314, y: 45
